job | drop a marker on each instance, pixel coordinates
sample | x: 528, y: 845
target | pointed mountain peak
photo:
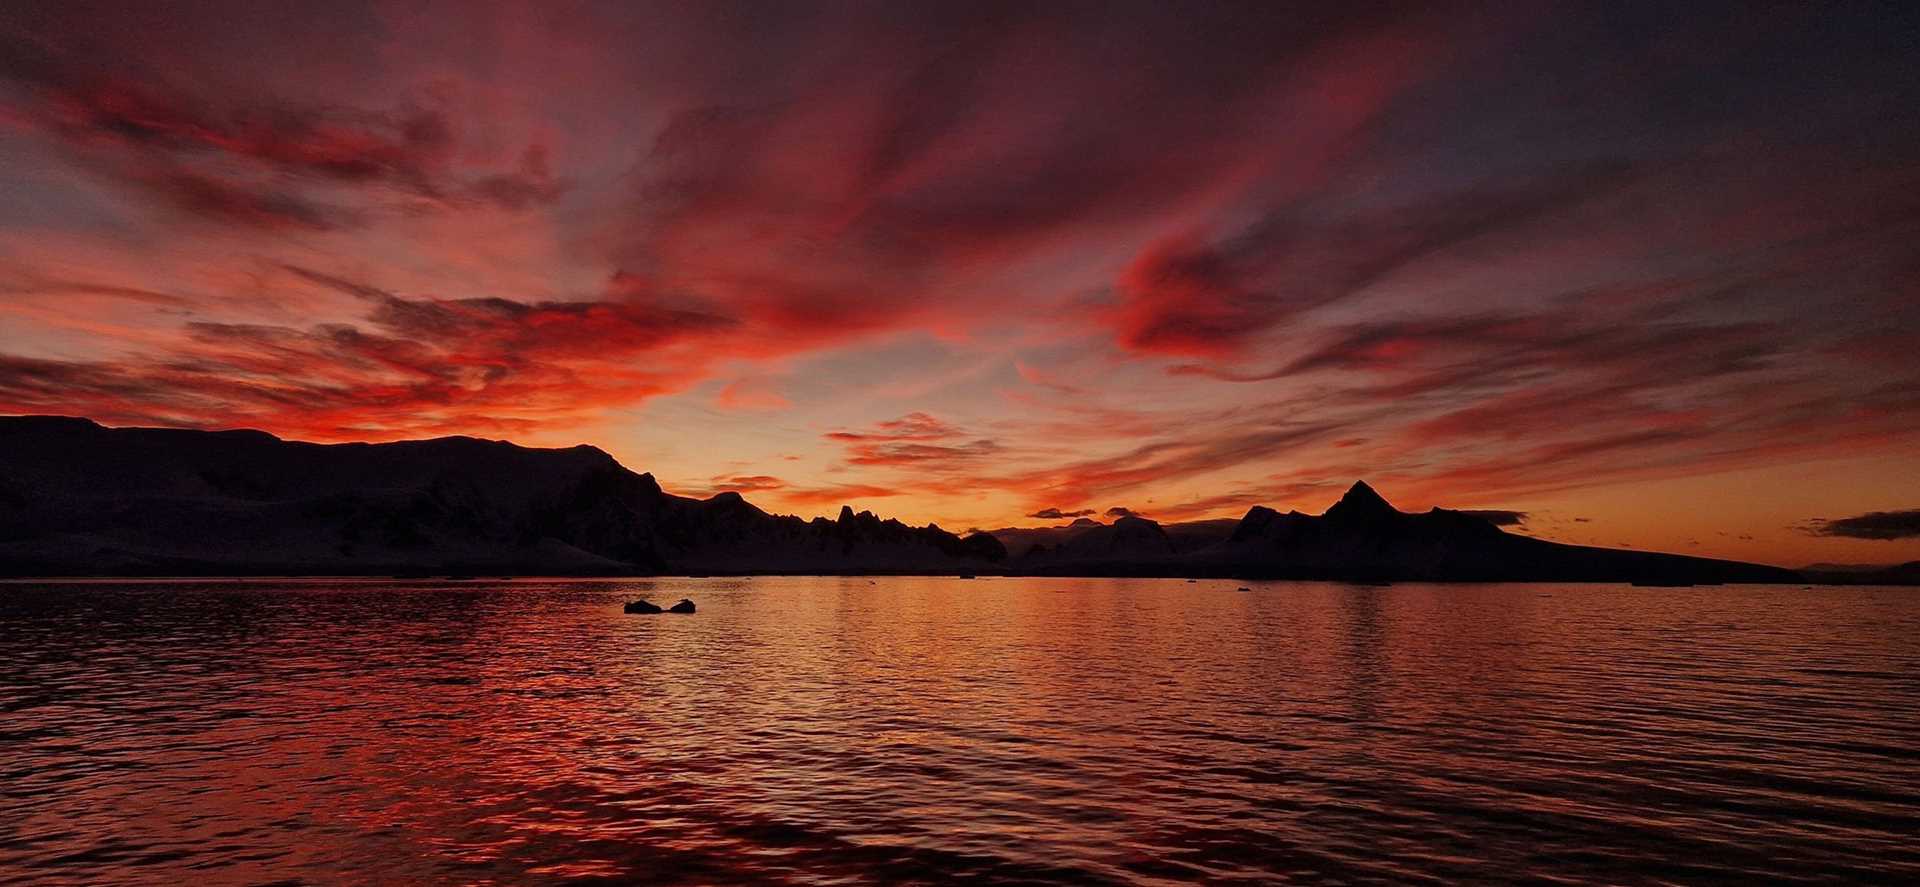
x: 1361, y: 500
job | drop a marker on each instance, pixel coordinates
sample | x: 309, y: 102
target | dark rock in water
x: 1243, y: 588
x: 646, y: 607
x: 685, y: 606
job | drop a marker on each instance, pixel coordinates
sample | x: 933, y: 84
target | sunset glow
x: 988, y: 267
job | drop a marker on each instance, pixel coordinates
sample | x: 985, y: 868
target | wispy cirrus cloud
x: 916, y: 441
x: 256, y: 162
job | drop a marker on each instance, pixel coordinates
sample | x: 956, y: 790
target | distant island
x: 81, y: 499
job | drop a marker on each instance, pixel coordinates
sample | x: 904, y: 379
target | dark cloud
x: 1882, y: 525
x: 207, y: 197
x: 255, y: 162
x: 25, y: 282
x: 922, y: 455
x: 631, y: 321
x: 1497, y: 517
x: 918, y: 441
x: 1057, y: 514
x: 1212, y: 298
x: 531, y: 185
x: 1602, y: 384
x: 1207, y: 443
x: 1118, y: 511
x: 910, y: 427
x: 746, y: 483
x: 917, y: 164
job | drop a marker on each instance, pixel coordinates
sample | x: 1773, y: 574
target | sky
x: 1646, y: 275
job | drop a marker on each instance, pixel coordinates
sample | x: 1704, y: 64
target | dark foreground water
x: 994, y: 731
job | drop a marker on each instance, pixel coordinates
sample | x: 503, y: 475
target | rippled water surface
x: 821, y: 730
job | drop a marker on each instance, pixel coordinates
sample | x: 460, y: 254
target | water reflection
x: 848, y: 730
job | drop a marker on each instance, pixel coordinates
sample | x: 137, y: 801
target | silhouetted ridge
x: 1362, y: 537
x: 77, y: 498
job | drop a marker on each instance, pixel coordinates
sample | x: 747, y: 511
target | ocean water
x: 1031, y: 731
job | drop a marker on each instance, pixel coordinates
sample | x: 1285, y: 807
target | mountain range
x: 77, y: 498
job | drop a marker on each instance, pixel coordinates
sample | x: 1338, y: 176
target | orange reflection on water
x: 1019, y: 730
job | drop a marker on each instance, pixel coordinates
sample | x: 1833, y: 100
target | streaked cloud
x: 984, y: 261
x: 1881, y: 525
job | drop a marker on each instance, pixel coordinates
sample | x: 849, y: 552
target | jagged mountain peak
x: 1361, y: 501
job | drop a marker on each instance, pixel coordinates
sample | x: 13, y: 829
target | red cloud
x: 1391, y: 231
x: 836, y: 494
x: 265, y: 165
x: 917, y: 441
x: 910, y: 427
x: 750, y: 394
x: 416, y: 365
x: 751, y: 483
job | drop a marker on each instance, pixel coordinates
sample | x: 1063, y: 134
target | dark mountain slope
x: 80, y: 499
x: 1183, y: 537
x: 1129, y: 538
x: 1363, y: 538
